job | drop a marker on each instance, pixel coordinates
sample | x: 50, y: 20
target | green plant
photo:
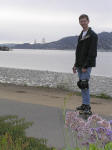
x: 13, y: 125
x: 13, y: 136
x: 7, y: 143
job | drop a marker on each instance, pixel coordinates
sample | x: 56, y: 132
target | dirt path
x: 51, y: 97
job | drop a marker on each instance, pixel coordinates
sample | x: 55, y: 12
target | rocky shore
x: 68, y: 81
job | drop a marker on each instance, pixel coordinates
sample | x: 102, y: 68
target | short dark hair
x: 84, y: 16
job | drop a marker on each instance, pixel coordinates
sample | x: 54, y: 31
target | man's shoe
x: 87, y: 110
x: 82, y: 107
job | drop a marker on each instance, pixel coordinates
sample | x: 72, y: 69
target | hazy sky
x: 26, y: 20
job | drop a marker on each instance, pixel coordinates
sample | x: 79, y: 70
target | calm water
x: 53, y: 60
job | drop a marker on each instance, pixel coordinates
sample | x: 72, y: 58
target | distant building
x: 35, y: 42
x: 43, y: 40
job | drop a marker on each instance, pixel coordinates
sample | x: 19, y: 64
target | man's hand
x: 74, y: 69
x: 84, y: 69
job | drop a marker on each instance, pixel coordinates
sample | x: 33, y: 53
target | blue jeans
x: 85, y: 92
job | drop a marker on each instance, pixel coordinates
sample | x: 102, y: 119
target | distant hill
x: 104, y: 43
x: 10, y: 45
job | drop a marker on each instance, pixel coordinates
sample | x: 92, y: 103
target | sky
x: 23, y: 21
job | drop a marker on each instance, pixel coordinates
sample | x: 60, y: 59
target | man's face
x: 84, y: 22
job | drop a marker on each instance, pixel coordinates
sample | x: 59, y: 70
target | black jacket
x: 86, y: 50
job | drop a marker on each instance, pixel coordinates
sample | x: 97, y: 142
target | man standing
x: 86, y: 53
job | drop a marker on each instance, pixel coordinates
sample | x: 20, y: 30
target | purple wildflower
x: 110, y: 122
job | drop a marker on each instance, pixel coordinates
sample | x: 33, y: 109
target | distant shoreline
x: 68, y: 42
x: 99, y: 50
